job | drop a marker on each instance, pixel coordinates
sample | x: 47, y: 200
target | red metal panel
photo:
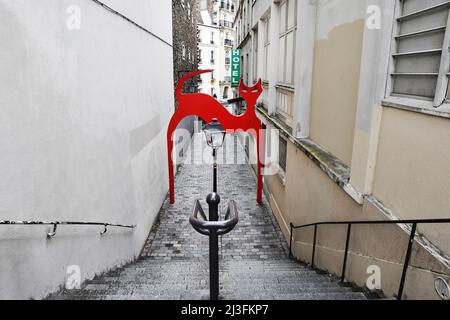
x: 207, y: 108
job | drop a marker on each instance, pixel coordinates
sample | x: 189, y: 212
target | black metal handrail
x: 213, y: 228
x: 347, y: 242
x: 203, y: 226
x: 55, y: 224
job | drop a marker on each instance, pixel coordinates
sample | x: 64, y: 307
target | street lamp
x: 214, y: 227
x: 215, y: 136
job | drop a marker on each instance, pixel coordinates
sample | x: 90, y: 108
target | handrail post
x: 347, y: 242
x: 213, y: 201
x: 314, y: 246
x: 407, y: 259
x: 290, y: 241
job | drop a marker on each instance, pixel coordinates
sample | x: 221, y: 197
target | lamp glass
x: 215, y: 134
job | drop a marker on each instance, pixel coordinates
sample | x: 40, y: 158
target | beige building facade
x: 358, y: 92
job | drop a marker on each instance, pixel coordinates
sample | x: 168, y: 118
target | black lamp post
x: 215, y: 136
x: 212, y: 227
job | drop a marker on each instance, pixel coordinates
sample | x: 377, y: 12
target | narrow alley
x: 254, y: 258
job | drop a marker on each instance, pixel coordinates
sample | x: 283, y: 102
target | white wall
x: 82, y: 136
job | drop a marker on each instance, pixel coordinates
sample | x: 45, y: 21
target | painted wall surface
x: 309, y: 195
x: 412, y: 175
x: 82, y: 133
x: 339, y: 38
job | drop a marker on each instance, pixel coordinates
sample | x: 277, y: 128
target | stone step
x: 300, y: 284
x: 229, y: 279
x: 311, y: 284
x: 287, y: 289
x: 302, y: 296
x: 205, y: 273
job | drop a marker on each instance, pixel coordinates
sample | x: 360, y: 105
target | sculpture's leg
x: 170, y: 132
x: 260, y: 151
x: 170, y: 164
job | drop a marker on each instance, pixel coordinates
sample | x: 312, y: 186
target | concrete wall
x: 335, y: 76
x: 412, y: 175
x: 82, y: 136
x: 309, y: 195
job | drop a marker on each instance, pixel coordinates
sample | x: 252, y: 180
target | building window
x: 420, y: 59
x: 245, y: 18
x: 189, y: 10
x: 247, y: 66
x: 288, y: 26
x: 255, y: 57
x: 183, y: 51
x: 212, y: 56
x: 266, y: 47
x: 242, y: 67
x: 282, y: 154
x: 212, y: 37
x: 225, y: 92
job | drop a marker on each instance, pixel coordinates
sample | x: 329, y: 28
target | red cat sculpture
x: 207, y: 108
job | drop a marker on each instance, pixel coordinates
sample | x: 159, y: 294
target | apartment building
x: 358, y: 91
x: 185, y: 60
x: 216, y: 42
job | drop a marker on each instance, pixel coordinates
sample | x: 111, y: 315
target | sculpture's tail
x: 179, y: 89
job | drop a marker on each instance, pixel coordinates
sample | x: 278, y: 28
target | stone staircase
x: 150, y: 279
x: 254, y: 259
x: 280, y: 280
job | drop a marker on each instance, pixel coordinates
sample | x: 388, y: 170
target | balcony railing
x: 227, y: 24
x: 285, y: 102
x: 226, y: 80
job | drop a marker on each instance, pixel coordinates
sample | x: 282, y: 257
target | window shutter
x: 282, y: 156
x: 418, y: 58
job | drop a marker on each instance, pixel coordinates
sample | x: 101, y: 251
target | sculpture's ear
x: 244, y: 86
x: 259, y: 85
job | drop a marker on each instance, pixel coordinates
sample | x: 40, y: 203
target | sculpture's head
x: 250, y: 94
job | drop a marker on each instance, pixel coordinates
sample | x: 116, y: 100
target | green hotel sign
x: 235, y: 67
